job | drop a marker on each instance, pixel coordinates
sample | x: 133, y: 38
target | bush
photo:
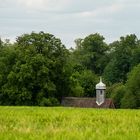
x: 77, y: 91
x: 49, y: 102
x: 128, y: 101
x: 110, y: 89
x: 83, y: 83
x: 117, y: 95
x: 132, y: 98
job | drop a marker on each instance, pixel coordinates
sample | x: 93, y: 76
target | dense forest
x: 39, y: 70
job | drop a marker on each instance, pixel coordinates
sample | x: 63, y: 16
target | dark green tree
x: 94, y: 53
x: 121, y: 62
x: 128, y: 101
x: 39, y: 71
x: 91, y: 52
x: 83, y: 83
x: 117, y: 94
x: 133, y: 89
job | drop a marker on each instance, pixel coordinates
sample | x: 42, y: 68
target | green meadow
x: 59, y: 123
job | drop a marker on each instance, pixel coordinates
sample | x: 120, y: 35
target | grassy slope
x: 23, y: 123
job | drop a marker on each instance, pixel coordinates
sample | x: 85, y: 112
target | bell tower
x: 100, y: 92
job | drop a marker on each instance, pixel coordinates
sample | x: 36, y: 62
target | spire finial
x: 100, y: 79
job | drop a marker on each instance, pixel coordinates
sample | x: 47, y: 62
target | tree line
x: 39, y: 70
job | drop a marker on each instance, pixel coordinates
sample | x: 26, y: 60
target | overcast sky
x: 70, y: 19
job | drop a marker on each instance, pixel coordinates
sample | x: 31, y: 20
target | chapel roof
x: 86, y: 102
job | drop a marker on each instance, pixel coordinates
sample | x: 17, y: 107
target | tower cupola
x: 100, y: 92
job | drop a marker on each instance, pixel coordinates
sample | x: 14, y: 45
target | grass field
x: 40, y: 123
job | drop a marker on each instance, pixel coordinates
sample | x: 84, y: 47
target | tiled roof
x: 86, y: 102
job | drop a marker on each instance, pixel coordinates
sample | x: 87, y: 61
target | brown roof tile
x: 86, y: 102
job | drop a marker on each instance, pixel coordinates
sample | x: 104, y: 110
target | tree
x: 78, y: 43
x: 121, y: 62
x: 7, y: 60
x: 83, y: 83
x: 91, y: 52
x: 94, y: 49
x: 39, y: 71
x: 133, y: 89
x: 117, y: 94
x: 135, y: 60
x: 128, y: 101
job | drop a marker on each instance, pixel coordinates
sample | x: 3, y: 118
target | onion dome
x: 100, y: 85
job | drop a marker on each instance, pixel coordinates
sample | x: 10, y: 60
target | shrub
x: 49, y: 102
x: 117, y: 95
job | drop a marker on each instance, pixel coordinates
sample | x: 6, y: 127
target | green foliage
x: 78, y: 43
x: 91, y: 52
x: 135, y: 60
x: 77, y: 90
x: 83, y: 83
x: 39, y: 70
x: 122, y: 57
x: 49, y: 102
x: 133, y: 86
x: 88, y: 80
x: 110, y: 89
x: 129, y: 101
x: 117, y: 94
x: 33, y: 69
x: 111, y: 72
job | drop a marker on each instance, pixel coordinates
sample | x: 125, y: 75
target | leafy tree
x: 121, y: 62
x: 39, y: 70
x: 94, y: 50
x: 78, y: 43
x: 135, y: 60
x: 7, y: 60
x: 133, y: 89
x: 83, y: 83
x: 117, y: 94
x: 111, y: 72
x: 91, y: 52
x: 128, y: 101
x: 76, y: 89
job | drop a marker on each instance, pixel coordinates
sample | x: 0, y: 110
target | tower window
x: 101, y: 92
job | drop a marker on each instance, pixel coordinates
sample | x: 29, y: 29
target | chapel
x: 99, y: 102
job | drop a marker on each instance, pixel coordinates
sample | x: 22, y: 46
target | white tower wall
x: 100, y: 92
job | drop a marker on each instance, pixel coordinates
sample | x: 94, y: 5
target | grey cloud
x: 68, y: 21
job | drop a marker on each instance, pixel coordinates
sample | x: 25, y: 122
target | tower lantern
x: 100, y: 92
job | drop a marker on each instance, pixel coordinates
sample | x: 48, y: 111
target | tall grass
x: 41, y: 123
